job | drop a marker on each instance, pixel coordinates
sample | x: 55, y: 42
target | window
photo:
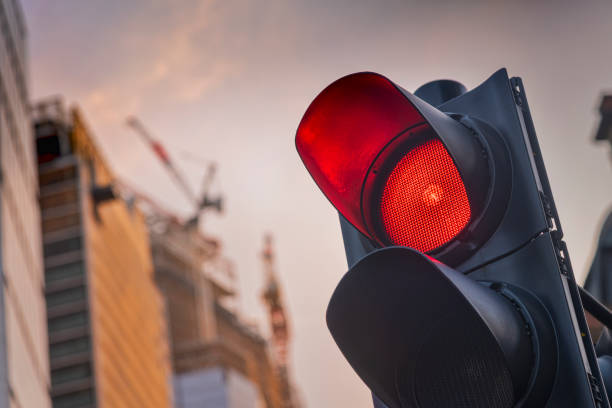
x: 59, y: 247
x: 66, y: 296
x: 68, y: 347
x: 69, y: 321
x: 71, y: 373
x: 66, y: 271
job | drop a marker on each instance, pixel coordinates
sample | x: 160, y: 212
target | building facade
x: 108, y: 341
x: 24, y: 378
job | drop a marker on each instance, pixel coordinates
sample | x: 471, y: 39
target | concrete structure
x: 24, y: 378
x: 107, y: 329
x: 219, y: 361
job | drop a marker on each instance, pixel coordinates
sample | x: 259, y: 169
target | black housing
x: 524, y: 252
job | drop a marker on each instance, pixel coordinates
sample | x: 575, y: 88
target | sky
x: 228, y: 81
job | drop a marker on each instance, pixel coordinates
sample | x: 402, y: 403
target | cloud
x: 146, y: 58
x: 196, y: 86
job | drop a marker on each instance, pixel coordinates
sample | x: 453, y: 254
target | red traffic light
x: 424, y: 204
x: 491, y: 316
x: 399, y: 170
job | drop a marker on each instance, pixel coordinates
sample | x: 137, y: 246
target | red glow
x: 343, y: 131
x: 160, y: 152
x: 424, y: 203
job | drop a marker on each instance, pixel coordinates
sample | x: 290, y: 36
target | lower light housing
x: 423, y: 335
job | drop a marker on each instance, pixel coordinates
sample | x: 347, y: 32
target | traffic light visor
x: 381, y: 163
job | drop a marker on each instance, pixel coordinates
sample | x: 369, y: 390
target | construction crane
x: 200, y: 203
x: 279, y: 325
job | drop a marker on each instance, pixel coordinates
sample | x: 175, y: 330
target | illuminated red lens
x: 424, y: 204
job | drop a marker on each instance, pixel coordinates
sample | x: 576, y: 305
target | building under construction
x: 108, y: 342
x: 140, y: 303
x: 218, y: 360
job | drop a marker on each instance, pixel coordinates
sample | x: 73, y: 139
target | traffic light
x: 598, y: 280
x: 460, y: 291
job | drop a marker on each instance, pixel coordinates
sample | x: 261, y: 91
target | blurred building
x: 24, y: 378
x: 108, y: 341
x: 219, y: 361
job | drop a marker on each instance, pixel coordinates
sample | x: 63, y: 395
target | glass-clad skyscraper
x: 24, y: 366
